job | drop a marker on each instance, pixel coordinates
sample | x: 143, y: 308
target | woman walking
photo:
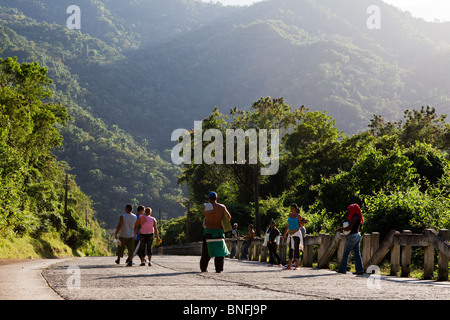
x: 352, y: 240
x: 147, y: 231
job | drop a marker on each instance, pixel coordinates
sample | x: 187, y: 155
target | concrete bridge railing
x: 322, y: 248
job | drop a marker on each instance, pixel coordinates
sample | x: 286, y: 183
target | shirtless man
x: 213, y: 212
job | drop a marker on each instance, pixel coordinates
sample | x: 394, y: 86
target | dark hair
x: 294, y: 205
x: 140, y: 208
x: 129, y: 207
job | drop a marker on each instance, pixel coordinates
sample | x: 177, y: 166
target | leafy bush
x: 406, y: 210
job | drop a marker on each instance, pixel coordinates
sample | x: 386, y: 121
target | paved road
x: 22, y: 280
x: 178, y: 278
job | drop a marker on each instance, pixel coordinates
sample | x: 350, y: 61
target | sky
x: 429, y: 10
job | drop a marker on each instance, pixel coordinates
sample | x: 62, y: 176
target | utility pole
x: 65, y: 195
x: 256, y: 199
x: 187, y: 203
x: 188, y: 216
x: 159, y: 217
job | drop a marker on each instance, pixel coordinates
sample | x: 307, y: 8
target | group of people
x: 294, y: 234
x: 136, y: 232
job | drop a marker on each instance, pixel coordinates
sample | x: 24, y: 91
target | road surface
x: 23, y: 280
x: 179, y: 278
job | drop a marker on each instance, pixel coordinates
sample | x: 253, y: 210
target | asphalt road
x: 23, y: 280
x: 179, y: 278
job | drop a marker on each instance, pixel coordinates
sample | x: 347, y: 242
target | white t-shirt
x: 127, y: 230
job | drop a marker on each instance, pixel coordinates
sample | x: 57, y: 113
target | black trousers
x: 273, y: 255
x: 146, y: 245
x: 204, y: 260
x: 295, y: 254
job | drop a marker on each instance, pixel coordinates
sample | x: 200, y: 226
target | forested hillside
x: 315, y: 53
x: 42, y: 210
x: 110, y: 165
x: 137, y: 70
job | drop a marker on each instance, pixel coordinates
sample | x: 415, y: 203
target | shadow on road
x: 299, y: 276
x: 151, y: 275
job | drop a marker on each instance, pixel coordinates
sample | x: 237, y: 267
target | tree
x: 423, y: 125
x: 27, y: 120
x: 240, y: 180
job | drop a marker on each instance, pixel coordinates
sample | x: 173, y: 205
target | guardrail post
x: 374, y: 242
x: 366, y: 254
x: 443, y: 260
x: 385, y: 247
x: 238, y: 248
x: 406, y: 257
x: 323, y: 248
x: 255, y: 255
x: 264, y: 254
x: 340, y: 251
x: 428, y: 260
x: 395, y: 260
x: 308, y: 255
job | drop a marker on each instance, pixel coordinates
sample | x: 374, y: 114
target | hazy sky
x: 426, y: 9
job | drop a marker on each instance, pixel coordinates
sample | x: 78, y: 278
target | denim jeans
x: 244, y: 251
x: 352, y: 242
x: 233, y: 249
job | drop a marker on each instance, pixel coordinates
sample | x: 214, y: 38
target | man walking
x: 125, y: 233
x: 213, y: 236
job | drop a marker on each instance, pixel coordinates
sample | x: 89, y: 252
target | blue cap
x: 212, y: 195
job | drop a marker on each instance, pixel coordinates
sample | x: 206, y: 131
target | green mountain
x: 111, y: 166
x: 315, y: 53
x: 137, y: 70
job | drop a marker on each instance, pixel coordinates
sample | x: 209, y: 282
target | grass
x: 26, y: 247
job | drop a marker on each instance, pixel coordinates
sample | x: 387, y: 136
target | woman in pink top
x: 148, y: 229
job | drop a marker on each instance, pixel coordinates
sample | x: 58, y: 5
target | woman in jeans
x: 353, y: 239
